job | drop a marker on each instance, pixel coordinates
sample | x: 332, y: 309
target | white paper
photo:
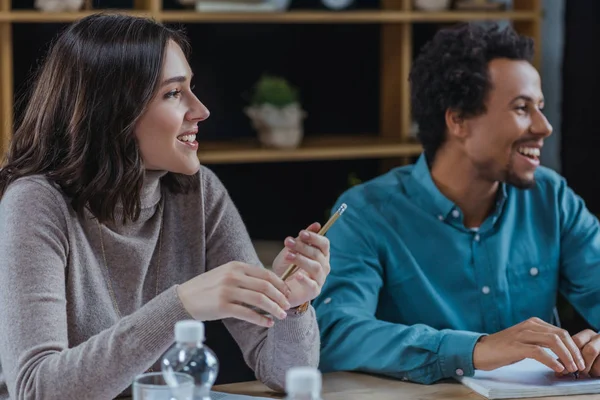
x: 528, y: 378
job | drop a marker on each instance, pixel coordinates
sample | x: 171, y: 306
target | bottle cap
x: 189, y: 331
x: 303, y: 380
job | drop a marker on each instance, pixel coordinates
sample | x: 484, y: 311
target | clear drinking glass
x: 152, y: 386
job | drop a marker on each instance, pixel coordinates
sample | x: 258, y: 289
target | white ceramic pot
x: 278, y: 127
x: 58, y: 5
x: 432, y: 5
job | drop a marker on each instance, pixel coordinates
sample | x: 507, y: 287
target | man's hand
x: 530, y: 339
x: 588, y: 343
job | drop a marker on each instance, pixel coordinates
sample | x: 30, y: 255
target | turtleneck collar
x: 151, y: 192
x: 150, y: 196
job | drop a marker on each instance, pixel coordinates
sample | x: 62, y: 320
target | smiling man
x: 454, y: 263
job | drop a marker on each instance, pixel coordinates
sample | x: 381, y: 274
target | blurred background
x: 309, y: 97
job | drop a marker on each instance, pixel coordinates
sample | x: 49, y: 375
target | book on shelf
x: 241, y: 5
x: 478, y: 5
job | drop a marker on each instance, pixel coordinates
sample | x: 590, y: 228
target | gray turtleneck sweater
x: 61, y: 334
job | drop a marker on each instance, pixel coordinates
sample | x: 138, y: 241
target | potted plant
x: 276, y: 113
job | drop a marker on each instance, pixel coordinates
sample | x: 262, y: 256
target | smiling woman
x: 83, y: 115
x: 111, y: 231
x: 166, y: 132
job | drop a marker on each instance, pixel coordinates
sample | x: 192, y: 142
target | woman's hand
x: 231, y: 290
x: 310, y: 252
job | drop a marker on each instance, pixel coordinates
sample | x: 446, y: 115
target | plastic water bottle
x: 303, y: 383
x: 190, y: 356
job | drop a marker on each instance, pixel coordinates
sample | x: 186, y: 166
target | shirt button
x: 534, y: 271
x: 485, y: 290
x: 476, y: 237
x: 459, y: 372
x: 441, y: 217
x: 327, y: 300
x: 455, y: 213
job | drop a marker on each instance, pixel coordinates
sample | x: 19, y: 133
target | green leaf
x: 274, y: 90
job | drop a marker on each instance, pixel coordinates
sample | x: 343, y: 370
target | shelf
x: 315, y: 17
x: 312, y: 148
x: 463, y: 16
x: 33, y: 16
x: 290, y: 17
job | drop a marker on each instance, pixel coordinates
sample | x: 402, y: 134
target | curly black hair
x: 451, y: 72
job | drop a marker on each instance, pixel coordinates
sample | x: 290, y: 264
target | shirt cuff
x: 456, y: 353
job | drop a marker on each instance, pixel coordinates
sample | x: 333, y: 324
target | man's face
x: 504, y: 143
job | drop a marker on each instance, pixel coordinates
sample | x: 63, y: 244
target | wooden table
x: 355, y: 386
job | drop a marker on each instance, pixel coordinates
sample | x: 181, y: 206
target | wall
x: 552, y: 57
x: 552, y: 54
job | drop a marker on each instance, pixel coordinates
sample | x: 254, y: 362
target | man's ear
x: 456, y: 124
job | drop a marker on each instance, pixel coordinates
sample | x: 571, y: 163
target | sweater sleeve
x: 293, y: 341
x: 35, y: 356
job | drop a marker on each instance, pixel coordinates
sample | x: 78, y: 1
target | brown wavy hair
x: 77, y: 128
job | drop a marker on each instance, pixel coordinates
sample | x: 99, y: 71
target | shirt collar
x: 423, y: 187
x: 427, y: 191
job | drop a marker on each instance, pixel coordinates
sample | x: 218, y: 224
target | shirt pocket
x: 532, y: 288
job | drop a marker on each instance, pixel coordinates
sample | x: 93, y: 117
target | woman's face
x: 166, y: 132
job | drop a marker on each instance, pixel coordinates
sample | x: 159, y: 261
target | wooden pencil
x: 293, y: 268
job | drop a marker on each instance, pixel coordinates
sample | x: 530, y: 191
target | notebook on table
x: 527, y: 378
x: 226, y: 396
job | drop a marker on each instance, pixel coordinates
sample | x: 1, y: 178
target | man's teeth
x: 529, y: 151
x: 187, y: 138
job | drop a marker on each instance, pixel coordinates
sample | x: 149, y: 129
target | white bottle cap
x: 188, y: 331
x: 303, y: 380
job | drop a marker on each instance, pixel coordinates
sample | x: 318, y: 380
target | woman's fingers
x: 266, y: 288
x: 249, y: 315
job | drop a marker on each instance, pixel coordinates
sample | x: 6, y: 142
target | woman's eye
x: 173, y: 94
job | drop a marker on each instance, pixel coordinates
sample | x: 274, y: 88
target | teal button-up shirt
x: 411, y: 289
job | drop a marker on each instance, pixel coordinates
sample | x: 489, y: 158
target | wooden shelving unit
x: 313, y: 148
x: 396, y: 43
x: 303, y: 17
